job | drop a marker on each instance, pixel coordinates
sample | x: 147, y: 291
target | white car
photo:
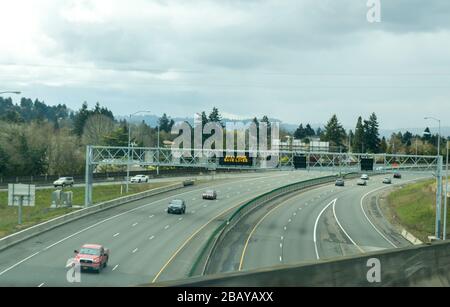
x: 63, y: 182
x: 387, y: 180
x: 364, y: 177
x: 362, y: 182
x: 140, y: 179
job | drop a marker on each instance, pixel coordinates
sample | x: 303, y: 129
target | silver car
x: 210, y: 194
x: 64, y: 182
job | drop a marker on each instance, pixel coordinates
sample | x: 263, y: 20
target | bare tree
x: 96, y: 128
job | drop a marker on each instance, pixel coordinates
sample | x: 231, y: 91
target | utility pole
x: 129, y: 147
x: 439, y: 181
x: 446, y: 195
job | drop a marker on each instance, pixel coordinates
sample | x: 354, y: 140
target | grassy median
x: 42, y: 212
x: 413, y: 207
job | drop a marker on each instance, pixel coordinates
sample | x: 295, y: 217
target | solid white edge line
x: 315, y: 227
x: 367, y: 217
x: 345, y: 232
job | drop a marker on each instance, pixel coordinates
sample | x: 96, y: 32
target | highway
x: 321, y: 223
x: 144, y: 240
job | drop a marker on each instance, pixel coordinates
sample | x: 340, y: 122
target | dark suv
x: 177, y: 206
x: 398, y: 176
x: 340, y: 182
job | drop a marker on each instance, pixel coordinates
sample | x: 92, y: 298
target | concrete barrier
x: 412, y: 239
x: 28, y: 233
x: 426, y: 265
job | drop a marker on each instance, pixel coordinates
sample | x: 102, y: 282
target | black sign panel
x: 239, y: 160
x: 300, y: 162
x: 367, y: 164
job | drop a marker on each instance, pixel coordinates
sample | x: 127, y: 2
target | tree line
x: 39, y: 139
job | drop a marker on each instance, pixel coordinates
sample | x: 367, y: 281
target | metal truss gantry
x: 97, y: 156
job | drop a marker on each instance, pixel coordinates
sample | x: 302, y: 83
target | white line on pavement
x: 115, y: 268
x: 343, y: 230
x: 315, y: 227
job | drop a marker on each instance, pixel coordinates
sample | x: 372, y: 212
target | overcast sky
x: 295, y: 60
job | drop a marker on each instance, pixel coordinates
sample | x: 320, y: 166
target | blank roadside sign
x: 26, y: 192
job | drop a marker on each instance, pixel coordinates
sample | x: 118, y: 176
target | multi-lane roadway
x: 321, y: 223
x: 144, y: 240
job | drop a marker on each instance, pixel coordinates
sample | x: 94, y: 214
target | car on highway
x: 362, y: 182
x: 210, y: 194
x: 177, y: 206
x: 398, y: 176
x: 92, y: 257
x: 340, y: 182
x: 364, y: 177
x: 64, y: 182
x: 140, y: 179
x: 387, y: 180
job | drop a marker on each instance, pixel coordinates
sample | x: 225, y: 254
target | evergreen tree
x: 358, y: 139
x: 300, y: 133
x: 319, y: 132
x: 309, y: 131
x: 372, y: 135
x: 351, y: 136
x: 80, y: 119
x: 164, y: 123
x: 334, y: 132
x: 383, y: 145
x: 214, y: 116
x: 118, y: 137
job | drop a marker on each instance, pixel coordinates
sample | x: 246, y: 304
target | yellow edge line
x: 194, y: 234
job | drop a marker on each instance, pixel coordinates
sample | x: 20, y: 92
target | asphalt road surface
x: 321, y: 223
x: 142, y: 237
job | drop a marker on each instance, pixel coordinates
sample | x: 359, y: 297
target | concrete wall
x: 427, y: 265
x: 64, y: 219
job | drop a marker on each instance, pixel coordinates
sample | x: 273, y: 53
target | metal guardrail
x: 221, y: 231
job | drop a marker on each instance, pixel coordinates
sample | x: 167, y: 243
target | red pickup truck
x: 92, y: 257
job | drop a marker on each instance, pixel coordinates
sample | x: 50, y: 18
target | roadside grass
x: 42, y: 212
x: 413, y: 207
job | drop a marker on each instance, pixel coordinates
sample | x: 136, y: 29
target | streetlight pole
x: 446, y: 195
x: 439, y: 182
x: 157, y: 167
x: 129, y: 147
